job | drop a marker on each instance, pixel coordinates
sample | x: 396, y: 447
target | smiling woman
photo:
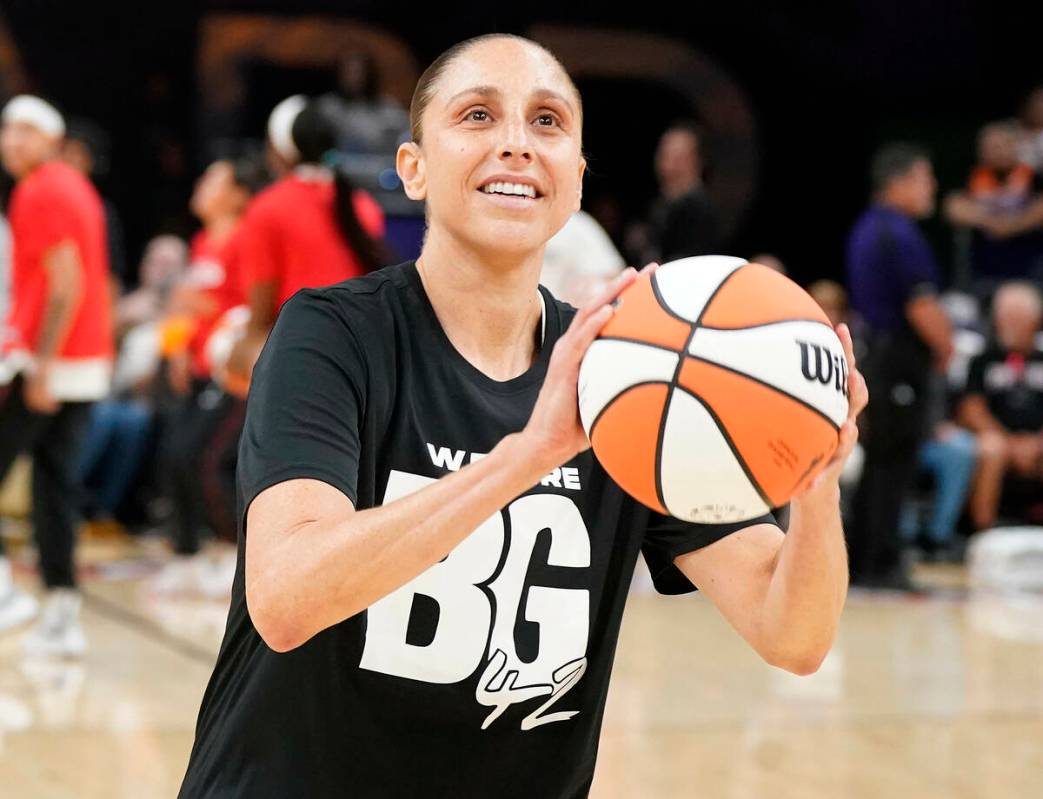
x: 432, y: 566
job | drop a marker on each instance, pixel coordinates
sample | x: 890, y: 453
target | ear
x: 579, y: 183
x: 411, y: 169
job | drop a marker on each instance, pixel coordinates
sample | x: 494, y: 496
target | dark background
x: 827, y: 82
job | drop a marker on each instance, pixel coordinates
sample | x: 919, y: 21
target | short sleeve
x: 43, y: 219
x: 257, y: 247
x: 667, y: 537
x: 915, y: 267
x: 306, y: 401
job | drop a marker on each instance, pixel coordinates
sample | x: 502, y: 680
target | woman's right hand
x: 554, y: 430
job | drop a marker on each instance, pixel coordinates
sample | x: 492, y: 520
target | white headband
x: 280, y: 126
x: 36, y: 112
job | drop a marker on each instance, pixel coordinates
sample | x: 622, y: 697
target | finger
x: 844, y: 334
x: 649, y: 268
x: 610, y: 291
x: 570, y: 348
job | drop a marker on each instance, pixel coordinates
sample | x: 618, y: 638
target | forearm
x: 63, y: 300
x: 326, y: 571
x: 808, y: 584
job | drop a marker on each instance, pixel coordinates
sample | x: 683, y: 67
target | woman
x: 433, y: 566
x: 204, y: 415
x: 310, y: 228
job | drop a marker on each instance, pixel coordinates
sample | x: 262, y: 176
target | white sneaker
x: 180, y: 577
x: 58, y: 633
x: 214, y: 579
x: 16, y: 606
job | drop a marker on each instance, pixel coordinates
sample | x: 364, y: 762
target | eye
x: 477, y: 115
x: 546, y: 120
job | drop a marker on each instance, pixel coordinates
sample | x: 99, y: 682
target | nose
x: 517, y: 143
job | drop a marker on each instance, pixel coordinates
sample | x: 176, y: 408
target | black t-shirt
x: 1012, y: 385
x: 487, y: 674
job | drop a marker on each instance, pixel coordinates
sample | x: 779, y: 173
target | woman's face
x: 503, y: 112
x: 216, y: 193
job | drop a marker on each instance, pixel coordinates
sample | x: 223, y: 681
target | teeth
x: 519, y: 189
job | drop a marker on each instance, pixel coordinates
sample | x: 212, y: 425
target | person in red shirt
x: 58, y: 354
x: 206, y: 416
x: 309, y: 229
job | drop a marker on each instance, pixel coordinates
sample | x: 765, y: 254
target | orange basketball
x: 716, y: 390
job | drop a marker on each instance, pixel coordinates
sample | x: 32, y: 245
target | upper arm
x: 735, y: 573
x: 283, y: 510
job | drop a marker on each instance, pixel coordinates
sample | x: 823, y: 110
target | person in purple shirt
x: 893, y: 280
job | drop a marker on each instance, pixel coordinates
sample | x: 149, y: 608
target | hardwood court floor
x: 937, y: 698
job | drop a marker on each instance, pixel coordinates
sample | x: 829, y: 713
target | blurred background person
x: 1030, y: 135
x: 61, y: 315
x: 204, y: 415
x: 87, y: 148
x: 1003, y: 404
x: 310, y: 228
x: 579, y: 259
x: 1003, y: 205
x: 366, y: 121
x: 893, y: 278
x: 163, y: 262
x: 682, y: 220
x: 770, y: 261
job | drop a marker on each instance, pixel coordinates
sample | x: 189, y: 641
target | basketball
x: 716, y: 390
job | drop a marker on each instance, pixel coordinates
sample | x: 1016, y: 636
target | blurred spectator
x: 682, y: 220
x: 122, y: 426
x: 87, y: 149
x: 830, y: 296
x: 893, y: 279
x: 579, y: 259
x: 164, y: 261
x: 770, y: 261
x: 311, y: 228
x: 60, y: 315
x: 205, y: 418
x: 366, y: 121
x: 5, y: 273
x: 1030, y: 144
x: 1003, y: 204
x: 1003, y: 403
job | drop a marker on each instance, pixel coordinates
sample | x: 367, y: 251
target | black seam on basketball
x: 662, y: 303
x: 731, y: 445
x: 768, y: 324
x: 629, y: 340
x: 774, y: 388
x: 713, y: 295
x: 614, y: 397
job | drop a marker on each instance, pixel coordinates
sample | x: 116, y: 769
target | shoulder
x: 366, y: 305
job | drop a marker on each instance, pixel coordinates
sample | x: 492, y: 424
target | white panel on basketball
x: 610, y: 367
x: 773, y: 354
x: 687, y: 283
x: 709, y: 488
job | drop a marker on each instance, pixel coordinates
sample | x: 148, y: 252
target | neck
x: 893, y: 203
x: 486, y: 301
x: 220, y: 228
x: 674, y: 190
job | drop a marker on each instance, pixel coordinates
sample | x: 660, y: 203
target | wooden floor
x: 938, y: 698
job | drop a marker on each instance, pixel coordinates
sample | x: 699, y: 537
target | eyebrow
x: 492, y: 91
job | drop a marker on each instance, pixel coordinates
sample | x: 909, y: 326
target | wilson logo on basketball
x: 818, y: 363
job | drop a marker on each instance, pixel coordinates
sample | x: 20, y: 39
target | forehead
x: 514, y: 68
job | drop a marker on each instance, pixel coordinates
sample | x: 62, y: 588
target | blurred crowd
x: 126, y: 387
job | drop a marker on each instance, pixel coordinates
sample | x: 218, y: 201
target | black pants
x: 894, y: 427
x: 194, y: 462
x: 54, y: 441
